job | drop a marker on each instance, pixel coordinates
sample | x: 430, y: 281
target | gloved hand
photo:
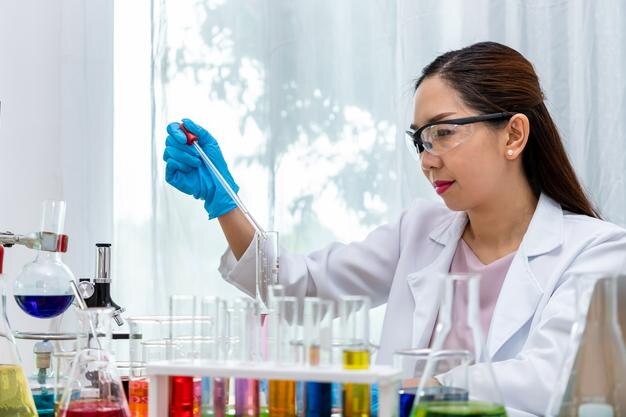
x: 186, y: 171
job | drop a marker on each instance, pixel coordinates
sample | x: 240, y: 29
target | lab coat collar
x: 545, y: 231
x: 521, y: 290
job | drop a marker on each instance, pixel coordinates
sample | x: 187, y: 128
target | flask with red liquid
x: 94, y: 387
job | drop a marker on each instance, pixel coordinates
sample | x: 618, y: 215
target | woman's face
x: 472, y: 173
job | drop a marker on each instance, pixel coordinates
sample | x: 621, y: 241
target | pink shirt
x: 493, y: 274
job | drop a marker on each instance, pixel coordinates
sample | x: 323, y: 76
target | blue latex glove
x: 186, y: 171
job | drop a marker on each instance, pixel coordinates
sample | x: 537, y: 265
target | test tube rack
x: 387, y: 378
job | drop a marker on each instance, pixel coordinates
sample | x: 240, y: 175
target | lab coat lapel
x: 521, y: 291
x: 424, y: 283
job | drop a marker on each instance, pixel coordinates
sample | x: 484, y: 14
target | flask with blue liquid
x: 42, y: 288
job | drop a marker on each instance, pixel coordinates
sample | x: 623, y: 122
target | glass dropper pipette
x: 193, y: 140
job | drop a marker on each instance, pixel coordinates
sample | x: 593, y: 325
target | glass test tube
x: 318, y: 322
x: 354, y: 323
x: 207, y: 328
x: 273, y: 292
x: 217, y: 389
x: 246, y: 326
x: 283, y: 319
x: 267, y: 258
x: 185, y: 391
x: 149, y: 341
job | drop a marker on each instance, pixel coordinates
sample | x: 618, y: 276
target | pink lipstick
x: 441, y: 186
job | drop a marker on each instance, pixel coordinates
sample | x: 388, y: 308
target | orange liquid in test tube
x: 138, y: 397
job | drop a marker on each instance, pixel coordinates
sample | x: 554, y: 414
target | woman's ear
x: 518, y: 130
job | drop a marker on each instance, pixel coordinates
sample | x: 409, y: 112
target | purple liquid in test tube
x: 246, y: 397
x: 220, y: 397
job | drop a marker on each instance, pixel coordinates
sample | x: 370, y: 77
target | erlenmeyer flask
x: 15, y: 396
x: 412, y: 364
x: 593, y: 376
x: 42, y: 288
x: 459, y: 329
x: 94, y: 387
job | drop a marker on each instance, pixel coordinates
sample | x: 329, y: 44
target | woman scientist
x: 513, y: 210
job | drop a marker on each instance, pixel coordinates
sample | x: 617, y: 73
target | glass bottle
x: 42, y: 287
x: 593, y: 376
x: 15, y: 396
x: 458, y: 330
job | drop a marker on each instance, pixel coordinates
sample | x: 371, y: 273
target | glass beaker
x: 412, y: 364
x: 593, y: 375
x: 15, y: 396
x: 94, y: 387
x: 267, y: 259
x: 42, y: 287
x: 459, y: 329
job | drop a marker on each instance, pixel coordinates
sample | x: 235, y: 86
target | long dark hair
x: 491, y: 77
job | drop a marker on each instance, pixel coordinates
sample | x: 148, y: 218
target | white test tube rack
x: 386, y: 377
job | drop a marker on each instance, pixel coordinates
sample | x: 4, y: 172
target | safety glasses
x: 439, y: 137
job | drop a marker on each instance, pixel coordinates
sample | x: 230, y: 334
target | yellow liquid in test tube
x: 15, y: 396
x: 356, y: 397
x: 282, y: 398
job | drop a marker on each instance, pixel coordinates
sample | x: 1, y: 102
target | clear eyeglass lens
x: 443, y: 137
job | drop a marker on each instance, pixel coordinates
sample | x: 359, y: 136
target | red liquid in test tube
x: 185, y: 392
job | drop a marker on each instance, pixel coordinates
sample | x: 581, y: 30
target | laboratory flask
x: 42, y: 287
x: 94, y: 387
x: 94, y: 328
x: 459, y: 328
x: 412, y: 364
x: 15, y: 396
x: 593, y: 376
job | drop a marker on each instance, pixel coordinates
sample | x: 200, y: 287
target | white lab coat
x: 398, y: 264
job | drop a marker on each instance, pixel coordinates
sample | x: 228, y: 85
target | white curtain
x: 309, y: 101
